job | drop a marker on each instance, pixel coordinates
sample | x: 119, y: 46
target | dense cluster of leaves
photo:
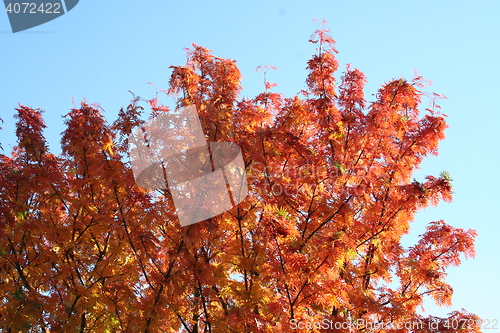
x: 317, y: 240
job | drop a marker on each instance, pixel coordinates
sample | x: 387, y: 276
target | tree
x: 315, y: 246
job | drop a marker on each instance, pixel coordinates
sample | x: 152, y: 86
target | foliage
x: 317, y: 240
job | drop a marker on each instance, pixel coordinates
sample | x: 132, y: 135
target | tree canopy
x: 315, y: 246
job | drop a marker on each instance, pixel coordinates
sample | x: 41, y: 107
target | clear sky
x: 102, y: 49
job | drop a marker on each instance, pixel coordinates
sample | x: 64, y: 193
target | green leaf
x: 446, y: 176
x: 340, y: 167
x: 282, y: 212
x: 22, y: 215
x: 19, y: 294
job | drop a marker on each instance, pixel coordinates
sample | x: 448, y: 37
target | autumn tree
x: 315, y: 246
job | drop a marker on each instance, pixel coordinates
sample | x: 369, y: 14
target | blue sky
x: 102, y: 49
